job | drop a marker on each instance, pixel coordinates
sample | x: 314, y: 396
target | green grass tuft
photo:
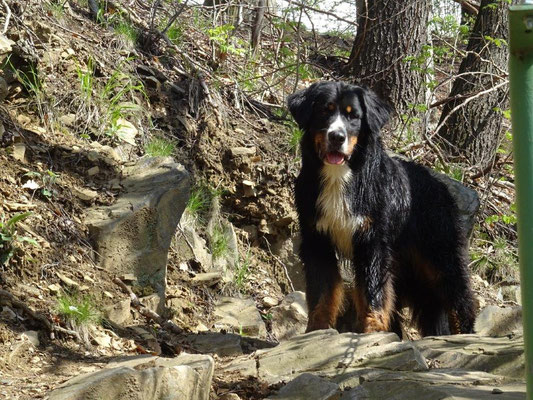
x: 77, y: 311
x: 159, y: 147
x: 218, y: 242
x: 127, y: 30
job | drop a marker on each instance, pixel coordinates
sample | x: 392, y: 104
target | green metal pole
x: 521, y: 89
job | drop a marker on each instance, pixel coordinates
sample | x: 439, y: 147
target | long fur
x: 397, y: 223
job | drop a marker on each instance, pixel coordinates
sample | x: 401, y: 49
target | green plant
x: 200, y: 200
x: 77, y: 311
x: 242, y: 271
x: 116, y: 98
x: 127, y: 30
x: 159, y: 147
x: 47, y: 182
x: 10, y: 241
x: 221, y: 37
x: 86, y: 78
x: 295, y: 138
x: 218, y: 242
x: 32, y: 83
x: 56, y: 8
x: 495, y: 260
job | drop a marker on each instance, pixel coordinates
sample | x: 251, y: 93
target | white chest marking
x: 336, y: 220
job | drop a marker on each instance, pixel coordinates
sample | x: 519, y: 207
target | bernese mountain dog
x: 397, y: 223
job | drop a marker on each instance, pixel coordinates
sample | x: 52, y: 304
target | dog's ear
x: 377, y: 111
x: 300, y: 105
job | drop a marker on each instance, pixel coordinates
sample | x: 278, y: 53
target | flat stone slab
x: 308, y: 387
x: 186, y: 377
x: 497, y: 355
x: 329, y: 353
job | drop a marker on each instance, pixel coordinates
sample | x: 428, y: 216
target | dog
x: 395, y: 221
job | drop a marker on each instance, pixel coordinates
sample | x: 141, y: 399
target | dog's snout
x: 336, y: 137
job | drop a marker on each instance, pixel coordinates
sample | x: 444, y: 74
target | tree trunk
x: 389, y: 31
x: 471, y: 126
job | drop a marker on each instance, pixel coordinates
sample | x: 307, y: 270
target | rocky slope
x: 189, y: 302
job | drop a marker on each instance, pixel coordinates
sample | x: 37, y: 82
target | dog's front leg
x: 324, y: 288
x: 374, y: 288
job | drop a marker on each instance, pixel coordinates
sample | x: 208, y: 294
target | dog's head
x: 334, y: 116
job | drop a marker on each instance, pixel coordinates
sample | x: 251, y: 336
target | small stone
x: 32, y: 337
x: 128, y: 278
x: 183, y: 266
x: 243, y: 151
x: 497, y: 391
x: 270, y: 301
x: 93, y: 171
x: 88, y: 278
x: 239, y: 131
x: 68, y: 119
x: 8, y: 313
x: 83, y: 288
x: 84, y: 193
x: 19, y: 151
x: 108, y: 295
x: 54, y: 289
x: 67, y: 281
x: 6, y: 45
x: 206, y: 279
x: 248, y: 188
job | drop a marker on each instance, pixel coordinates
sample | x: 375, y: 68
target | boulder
x: 239, y: 316
x: 499, y: 321
x: 186, y: 377
x: 134, y: 234
x: 289, y: 318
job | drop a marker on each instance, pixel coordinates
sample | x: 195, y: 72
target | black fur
x: 415, y: 242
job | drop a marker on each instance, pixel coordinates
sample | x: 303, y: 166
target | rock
x: 67, y: 281
x: 498, y: 321
x: 133, y: 235
x: 512, y: 293
x: 310, y: 387
x: 32, y: 337
x: 186, y: 377
x: 248, y: 188
x: 287, y: 251
x: 207, y: 279
x: 407, y: 389
x: 8, y: 314
x: 190, y: 245
x: 68, y: 119
x: 243, y: 151
x: 6, y: 45
x: 93, y: 171
x: 497, y: 355
x: 270, y: 301
x: 19, y: 151
x: 102, y: 340
x: 154, y: 302
x: 128, y: 278
x: 126, y: 131
x: 290, y: 317
x: 330, y: 353
x: 240, y: 316
x: 54, y: 289
x: 223, y: 345
x: 119, y: 313
x: 84, y: 193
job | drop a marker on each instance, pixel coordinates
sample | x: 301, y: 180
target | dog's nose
x: 336, y: 137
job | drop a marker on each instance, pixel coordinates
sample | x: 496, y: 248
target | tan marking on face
x: 352, y: 142
x: 320, y: 142
x: 348, y: 109
x: 331, y: 106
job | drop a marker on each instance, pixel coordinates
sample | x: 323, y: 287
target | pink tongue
x: 334, y: 158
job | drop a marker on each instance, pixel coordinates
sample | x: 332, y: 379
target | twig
x: 8, y: 16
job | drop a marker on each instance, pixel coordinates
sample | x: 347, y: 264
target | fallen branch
x: 146, y: 312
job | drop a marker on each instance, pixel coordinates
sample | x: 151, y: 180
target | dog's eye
x: 348, y: 109
x: 330, y: 107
